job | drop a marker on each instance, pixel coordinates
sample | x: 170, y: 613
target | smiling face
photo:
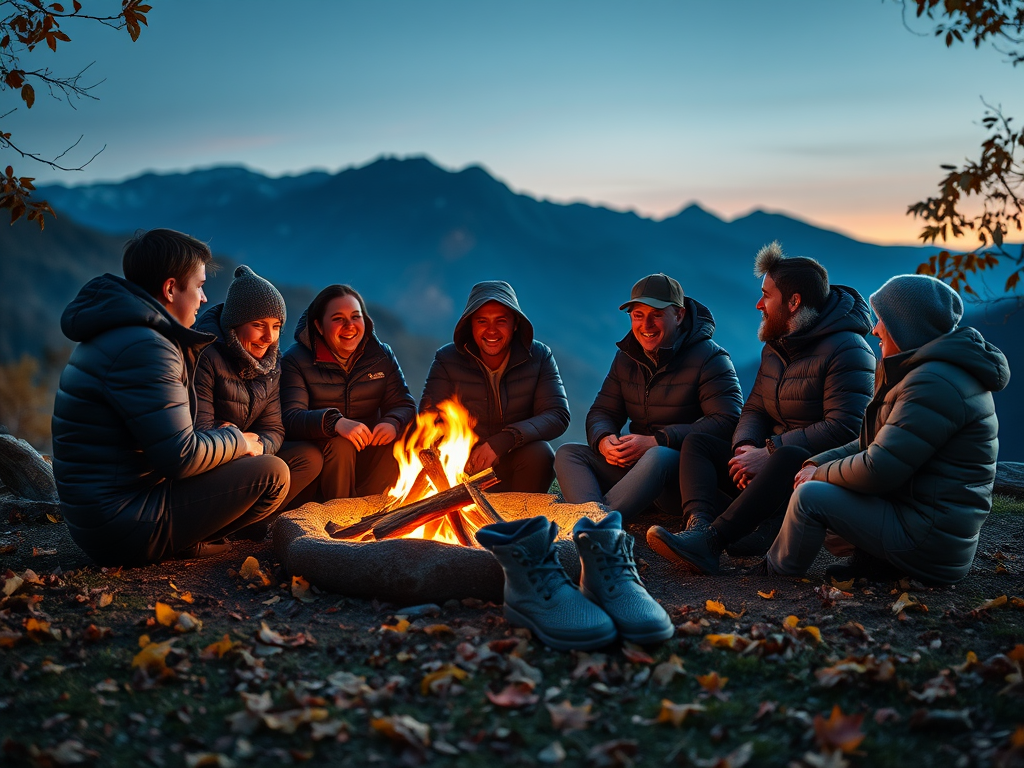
x: 493, y: 326
x: 257, y: 336
x: 655, y: 328
x: 775, y: 310
x: 183, y: 299
x: 342, y: 325
x: 889, y: 347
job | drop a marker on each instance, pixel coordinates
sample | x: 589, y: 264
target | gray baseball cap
x: 658, y: 291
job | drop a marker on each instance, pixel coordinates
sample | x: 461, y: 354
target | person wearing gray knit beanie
x: 916, y: 309
x: 251, y: 297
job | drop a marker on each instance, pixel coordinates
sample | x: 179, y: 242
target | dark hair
x: 153, y: 257
x: 326, y: 296
x: 793, y: 274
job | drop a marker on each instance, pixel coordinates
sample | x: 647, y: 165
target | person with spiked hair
x: 815, y: 378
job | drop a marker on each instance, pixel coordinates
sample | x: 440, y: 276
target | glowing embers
x: 432, y: 498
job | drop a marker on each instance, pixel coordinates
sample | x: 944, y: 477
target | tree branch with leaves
x: 983, y: 196
x: 26, y: 28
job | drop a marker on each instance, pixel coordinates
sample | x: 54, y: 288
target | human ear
x: 795, y: 301
x: 167, y: 290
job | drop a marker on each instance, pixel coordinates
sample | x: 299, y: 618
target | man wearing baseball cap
x: 668, y: 379
x: 815, y: 378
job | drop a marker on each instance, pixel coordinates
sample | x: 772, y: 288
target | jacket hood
x: 307, y: 335
x: 845, y: 310
x: 492, y: 290
x: 698, y: 325
x: 965, y: 348
x: 109, y: 302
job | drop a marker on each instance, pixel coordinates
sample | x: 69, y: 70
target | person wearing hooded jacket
x: 815, y: 378
x: 912, y: 492
x: 668, y: 379
x: 509, y: 383
x: 238, y: 379
x: 137, y: 482
x: 343, y: 396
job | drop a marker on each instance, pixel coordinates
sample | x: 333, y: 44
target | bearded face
x: 774, y: 323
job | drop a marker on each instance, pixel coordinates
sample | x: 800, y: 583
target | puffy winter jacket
x: 929, y: 444
x: 692, y: 389
x: 531, y: 403
x: 314, y: 386
x: 122, y: 420
x: 253, y: 405
x: 813, y: 385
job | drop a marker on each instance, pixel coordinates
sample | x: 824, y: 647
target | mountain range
x: 414, y: 237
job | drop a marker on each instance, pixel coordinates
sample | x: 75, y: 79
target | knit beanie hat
x: 250, y: 297
x: 916, y: 309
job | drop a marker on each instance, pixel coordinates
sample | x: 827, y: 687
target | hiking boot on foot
x: 863, y: 566
x: 538, y: 593
x: 759, y: 541
x: 696, y: 550
x: 610, y: 579
x: 204, y: 549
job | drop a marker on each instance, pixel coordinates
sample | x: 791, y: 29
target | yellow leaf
x: 996, y: 602
x: 767, y: 595
x: 718, y: 609
x: 447, y: 672
x: 676, y: 713
x: 166, y: 615
x: 300, y: 590
x: 839, y: 731
x: 728, y: 642
x: 218, y: 649
x: 401, y: 627
x: 152, y: 658
x: 105, y: 599
x: 711, y: 682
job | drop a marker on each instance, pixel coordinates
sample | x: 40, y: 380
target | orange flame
x: 449, y: 431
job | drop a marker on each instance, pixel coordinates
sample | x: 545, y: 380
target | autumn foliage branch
x: 27, y: 25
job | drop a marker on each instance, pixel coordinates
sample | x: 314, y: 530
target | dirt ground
x: 99, y: 708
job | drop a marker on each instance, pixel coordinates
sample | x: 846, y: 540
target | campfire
x: 433, y: 498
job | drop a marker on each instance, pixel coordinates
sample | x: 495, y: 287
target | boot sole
x: 645, y: 638
x: 663, y: 549
x: 583, y: 644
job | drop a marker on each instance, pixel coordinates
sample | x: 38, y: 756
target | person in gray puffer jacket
x: 238, y: 379
x: 343, y: 396
x: 913, y: 491
x: 668, y: 379
x: 509, y: 383
x: 137, y: 482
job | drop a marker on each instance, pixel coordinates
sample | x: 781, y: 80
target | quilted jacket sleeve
x: 398, y: 405
x: 755, y: 425
x: 928, y: 411
x: 721, y: 401
x: 269, y: 424
x: 204, y: 377
x: 607, y: 416
x: 849, y: 382
x: 550, y: 404
x: 438, y: 386
x: 145, y: 384
x: 300, y: 423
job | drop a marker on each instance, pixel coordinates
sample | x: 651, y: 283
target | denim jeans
x: 584, y: 475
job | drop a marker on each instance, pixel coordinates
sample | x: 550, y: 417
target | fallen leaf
x: 513, y: 696
x: 404, y: 730
x: 941, y: 719
x: 996, y: 602
x: 691, y: 628
x: 43, y: 552
x: 854, y: 668
x: 104, y: 600
x: 718, y: 609
x: 208, y: 760
x: 93, y: 634
x: 590, y: 665
x: 40, y: 630
x: 840, y: 731
x: 728, y: 642
x: 301, y: 590
x: 290, y: 720
x: 152, y: 659
x: 767, y: 595
x: 551, y: 754
x: 218, y: 649
x: 440, y: 680
x: 401, y: 627
x: 186, y: 597
x: 676, y: 713
x: 711, y: 682
x: 179, y: 621
x: 939, y: 687
x: 907, y: 602
x: 49, y: 667
x: 887, y: 715
x: 435, y: 630
x: 664, y: 672
x: 636, y: 655
x: 618, y: 753
x: 565, y: 717
x: 250, y: 571
x: 790, y: 624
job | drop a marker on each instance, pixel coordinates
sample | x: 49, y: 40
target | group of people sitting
x: 169, y: 440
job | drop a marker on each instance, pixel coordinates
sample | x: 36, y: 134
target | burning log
x: 482, y: 504
x: 435, y: 471
x: 410, y: 517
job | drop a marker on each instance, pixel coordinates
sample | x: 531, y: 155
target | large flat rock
x: 408, y: 571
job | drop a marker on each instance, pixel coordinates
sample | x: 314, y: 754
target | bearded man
x: 815, y: 379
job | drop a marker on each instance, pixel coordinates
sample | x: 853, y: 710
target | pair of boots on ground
x: 611, y: 600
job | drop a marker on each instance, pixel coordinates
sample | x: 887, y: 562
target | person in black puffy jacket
x: 343, y: 396
x: 668, y: 379
x: 509, y: 383
x: 238, y: 380
x: 137, y: 482
x: 816, y: 377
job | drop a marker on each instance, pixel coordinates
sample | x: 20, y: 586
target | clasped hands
x: 626, y: 450
x: 362, y: 436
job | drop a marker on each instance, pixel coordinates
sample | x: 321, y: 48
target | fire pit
x: 416, y: 542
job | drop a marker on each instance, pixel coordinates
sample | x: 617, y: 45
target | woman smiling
x: 344, y: 392
x: 238, y: 379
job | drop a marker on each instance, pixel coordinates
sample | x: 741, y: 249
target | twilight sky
x: 831, y: 111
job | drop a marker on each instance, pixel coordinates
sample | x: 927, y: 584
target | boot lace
x: 618, y: 564
x: 547, y: 574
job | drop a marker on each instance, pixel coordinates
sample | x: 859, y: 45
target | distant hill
x: 413, y: 238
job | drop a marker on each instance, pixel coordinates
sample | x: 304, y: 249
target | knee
x: 571, y: 453
x: 273, y: 471
x: 303, y: 457
x: 663, y: 457
x: 811, y: 500
x: 538, y: 452
x: 698, y: 443
x: 339, y: 450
